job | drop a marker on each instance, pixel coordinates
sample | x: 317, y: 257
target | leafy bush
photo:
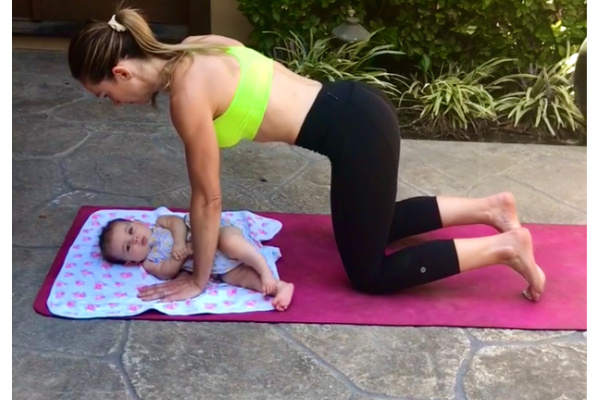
x: 533, y: 32
x: 452, y: 102
x: 466, y: 102
x: 544, y: 101
x: 469, y: 104
x: 302, y: 17
x: 323, y: 60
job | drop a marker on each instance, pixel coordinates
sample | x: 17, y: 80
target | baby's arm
x: 176, y: 225
x: 163, y: 270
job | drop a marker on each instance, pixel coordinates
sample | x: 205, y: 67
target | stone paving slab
x: 71, y: 149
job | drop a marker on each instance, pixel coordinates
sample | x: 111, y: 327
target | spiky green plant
x: 545, y: 101
x: 452, y: 102
x: 325, y: 60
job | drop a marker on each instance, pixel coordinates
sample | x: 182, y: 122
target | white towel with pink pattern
x: 88, y: 287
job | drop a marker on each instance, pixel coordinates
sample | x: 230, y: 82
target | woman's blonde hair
x: 99, y: 46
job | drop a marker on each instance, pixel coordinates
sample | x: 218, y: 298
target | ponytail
x: 99, y: 46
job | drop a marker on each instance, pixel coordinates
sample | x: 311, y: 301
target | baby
x: 165, y: 247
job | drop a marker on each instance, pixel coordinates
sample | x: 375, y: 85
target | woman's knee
x: 369, y: 287
x: 367, y: 283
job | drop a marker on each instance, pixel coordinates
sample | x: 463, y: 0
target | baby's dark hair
x: 105, y: 238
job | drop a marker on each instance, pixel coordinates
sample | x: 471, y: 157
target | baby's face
x: 130, y: 241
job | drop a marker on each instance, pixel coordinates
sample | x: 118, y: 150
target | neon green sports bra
x: 244, y: 115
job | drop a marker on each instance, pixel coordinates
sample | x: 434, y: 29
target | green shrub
x: 489, y: 40
x: 469, y: 104
x: 453, y: 102
x: 324, y: 60
x: 533, y: 32
x: 544, y: 101
x: 302, y: 17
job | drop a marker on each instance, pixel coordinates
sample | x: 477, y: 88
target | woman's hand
x: 181, y: 288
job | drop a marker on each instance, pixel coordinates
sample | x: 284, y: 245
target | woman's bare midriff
x: 292, y: 96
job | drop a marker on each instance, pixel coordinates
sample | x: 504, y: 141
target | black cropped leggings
x: 356, y: 127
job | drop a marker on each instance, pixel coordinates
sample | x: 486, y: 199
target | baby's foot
x: 269, y: 284
x: 523, y: 262
x: 504, y: 212
x: 282, y: 300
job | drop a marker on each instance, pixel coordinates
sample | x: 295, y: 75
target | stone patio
x: 71, y: 149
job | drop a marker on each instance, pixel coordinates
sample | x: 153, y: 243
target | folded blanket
x: 88, y: 287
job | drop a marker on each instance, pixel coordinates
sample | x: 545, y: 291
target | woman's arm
x: 192, y: 116
x: 205, y: 209
x: 193, y: 119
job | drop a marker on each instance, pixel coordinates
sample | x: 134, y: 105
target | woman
x: 222, y: 92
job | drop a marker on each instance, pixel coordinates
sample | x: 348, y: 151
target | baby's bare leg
x: 233, y: 245
x: 247, y: 277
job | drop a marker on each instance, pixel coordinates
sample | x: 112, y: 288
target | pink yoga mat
x: 486, y: 298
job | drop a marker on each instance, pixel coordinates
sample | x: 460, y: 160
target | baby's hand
x: 180, y: 252
x: 190, y: 249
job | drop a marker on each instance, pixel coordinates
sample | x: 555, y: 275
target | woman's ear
x: 122, y: 72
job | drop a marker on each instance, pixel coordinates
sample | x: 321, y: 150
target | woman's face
x: 126, y: 87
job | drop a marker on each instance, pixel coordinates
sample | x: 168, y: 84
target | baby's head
x: 125, y: 242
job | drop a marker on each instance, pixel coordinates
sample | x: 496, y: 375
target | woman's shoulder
x: 198, y: 83
x: 193, y: 92
x: 200, y: 65
x: 217, y: 40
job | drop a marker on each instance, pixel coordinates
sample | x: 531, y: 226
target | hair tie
x: 115, y: 25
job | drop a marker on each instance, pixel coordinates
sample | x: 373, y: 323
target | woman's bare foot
x: 521, y: 259
x: 503, y: 212
x: 283, y: 298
